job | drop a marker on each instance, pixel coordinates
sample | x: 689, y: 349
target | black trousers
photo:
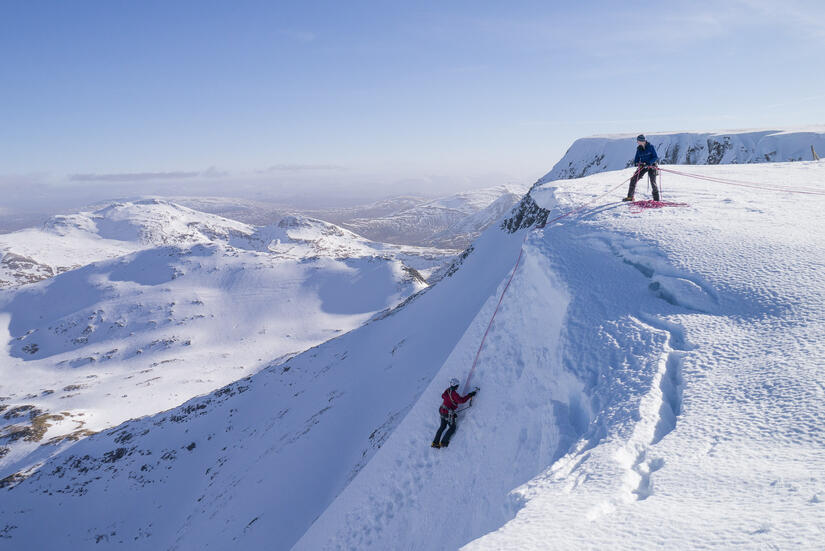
x: 448, y: 420
x: 651, y: 172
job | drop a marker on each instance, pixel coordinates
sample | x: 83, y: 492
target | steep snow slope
x: 146, y: 331
x: 602, y: 153
x: 651, y: 380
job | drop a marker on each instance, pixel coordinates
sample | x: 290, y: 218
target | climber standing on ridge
x: 646, y: 160
x: 450, y: 402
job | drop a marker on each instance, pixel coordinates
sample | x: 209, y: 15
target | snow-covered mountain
x: 450, y: 222
x: 168, y: 303
x: 651, y: 379
x: 463, y: 232
x: 614, y: 152
x: 66, y: 242
x: 376, y: 209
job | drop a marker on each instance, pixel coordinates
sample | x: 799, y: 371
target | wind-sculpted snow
x: 651, y: 380
x: 603, y: 153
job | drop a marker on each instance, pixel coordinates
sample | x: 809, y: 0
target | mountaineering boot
x: 656, y: 195
x: 444, y: 444
x: 628, y: 198
x: 435, y: 445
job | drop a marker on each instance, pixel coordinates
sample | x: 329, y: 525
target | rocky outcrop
x: 528, y: 213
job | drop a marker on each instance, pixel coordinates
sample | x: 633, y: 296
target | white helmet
x: 454, y: 382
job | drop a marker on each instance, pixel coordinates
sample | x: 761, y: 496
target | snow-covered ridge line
x: 66, y: 242
x: 613, y: 152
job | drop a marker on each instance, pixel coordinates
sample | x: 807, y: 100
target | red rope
x: 741, y: 183
x: 489, y: 325
x: 639, y: 206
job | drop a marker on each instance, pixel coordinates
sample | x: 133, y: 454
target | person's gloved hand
x: 473, y: 393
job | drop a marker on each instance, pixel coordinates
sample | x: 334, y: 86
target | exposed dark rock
x: 114, y: 455
x: 528, y: 213
x: 20, y: 411
x: 717, y: 149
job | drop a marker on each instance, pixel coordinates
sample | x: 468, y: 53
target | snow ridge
x: 614, y: 152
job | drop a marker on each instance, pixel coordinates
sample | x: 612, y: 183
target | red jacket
x: 452, y: 399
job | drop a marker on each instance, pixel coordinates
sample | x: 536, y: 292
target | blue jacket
x: 645, y: 155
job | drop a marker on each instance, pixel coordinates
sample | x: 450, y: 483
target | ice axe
x: 476, y: 389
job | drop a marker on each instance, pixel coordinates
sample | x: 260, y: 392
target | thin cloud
x: 579, y: 122
x: 132, y: 176
x: 806, y: 17
x: 673, y: 28
x: 301, y: 168
x: 211, y: 172
x: 214, y: 172
x: 797, y: 101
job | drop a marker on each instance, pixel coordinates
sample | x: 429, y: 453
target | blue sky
x: 393, y: 95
